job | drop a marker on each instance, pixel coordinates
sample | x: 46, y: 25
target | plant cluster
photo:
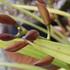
x: 38, y: 52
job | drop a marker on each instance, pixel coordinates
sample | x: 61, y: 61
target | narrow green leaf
x: 21, y: 66
x: 31, y: 51
x: 63, y: 57
x: 61, y: 64
x: 51, y: 10
x: 62, y: 48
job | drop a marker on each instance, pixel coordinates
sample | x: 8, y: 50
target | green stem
x: 48, y: 29
x: 56, y: 20
x: 51, y: 10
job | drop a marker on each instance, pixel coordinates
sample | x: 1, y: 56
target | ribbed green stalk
x: 63, y: 48
x: 51, y: 10
x: 20, y: 66
x: 63, y: 57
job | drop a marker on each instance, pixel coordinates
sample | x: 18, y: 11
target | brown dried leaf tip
x: 15, y: 46
x: 31, y: 35
x: 6, y: 37
x: 43, y: 11
x: 5, y: 19
x: 20, y: 58
x: 44, y: 61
